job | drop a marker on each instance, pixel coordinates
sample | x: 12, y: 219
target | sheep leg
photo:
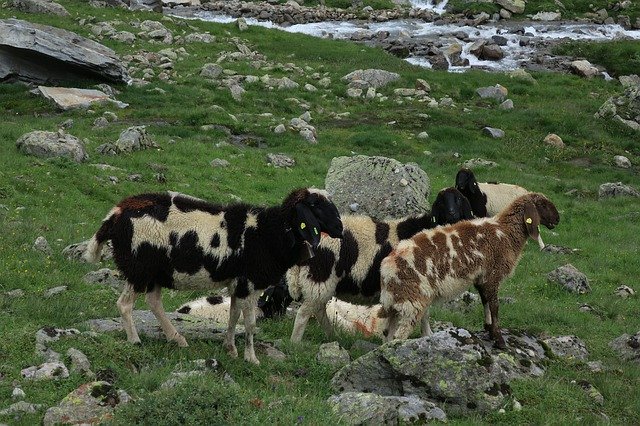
x: 302, y: 317
x: 540, y: 242
x: 487, y: 311
x: 125, y: 304
x: 325, y: 323
x: 230, y: 339
x: 408, y: 315
x: 154, y: 300
x: 249, y: 313
x: 424, y: 324
x: 496, y: 335
x: 392, y: 327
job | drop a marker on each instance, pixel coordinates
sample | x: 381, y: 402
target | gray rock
x: 463, y: 303
x: 191, y: 327
x: 21, y: 407
x: 66, y: 98
x: 622, y: 161
x: 309, y: 135
x: 310, y: 88
x: 358, y: 408
x: 280, y: 160
x: 91, y: 403
x: 270, y: 351
x: 452, y: 365
x: 211, y: 71
x: 515, y: 6
x: 354, y: 92
x: 364, y: 346
x: 105, y: 276
x: 553, y: 249
x: 80, y: 363
x: 507, y: 105
x: 18, y: 394
x: 375, y: 184
x: 332, y: 354
x: 617, y: 189
x: 134, y: 138
x: 423, y: 135
x: 76, y: 251
x: 46, y: 371
x: 236, y: 92
x: 42, y: 245
x: 14, y: 294
x: 595, y: 366
x: 100, y: 123
x: 219, y: 162
x: 627, y: 347
x: 47, y: 7
x: 546, y: 16
x: 478, y: 162
x: 554, y: 140
x: 55, y: 290
x: 198, y: 367
x: 624, y: 292
x: 37, y: 53
x: 496, y: 92
x: 591, y: 391
x: 374, y: 77
x: 570, y: 278
x: 569, y: 347
x: 493, y: 132
x: 199, y: 38
x: 492, y: 52
x: 46, y: 335
x: 52, y: 144
x: 583, y: 68
x: 124, y: 37
x: 241, y: 23
x: 476, y: 47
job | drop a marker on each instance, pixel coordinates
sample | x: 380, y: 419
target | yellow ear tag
x: 315, y: 230
x: 303, y: 225
x: 528, y: 220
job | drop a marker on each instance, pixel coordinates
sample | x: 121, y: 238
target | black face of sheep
x: 275, y: 300
x: 467, y: 184
x: 315, y: 213
x: 451, y: 206
x: 539, y: 210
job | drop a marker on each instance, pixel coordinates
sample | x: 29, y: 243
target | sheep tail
x: 94, y: 248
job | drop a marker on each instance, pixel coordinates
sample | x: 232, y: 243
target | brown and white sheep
x: 439, y: 264
x: 176, y: 241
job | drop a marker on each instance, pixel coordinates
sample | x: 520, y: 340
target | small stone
x: 423, y: 135
x: 624, y: 292
x: 80, y: 363
x: 306, y: 116
x: 497, y: 92
x: 554, y: 140
x: 404, y: 182
x: 354, y: 207
x: 353, y: 92
x: 280, y: 128
x: 14, y: 294
x: 569, y: 347
x: 506, y: 105
x: 477, y: 162
x: 595, y: 366
x: 310, y: 88
x: 570, y: 278
x: 20, y: 407
x: 622, y: 161
x: 42, y: 245
x: 236, y: 92
x: 100, y: 123
x: 219, y: 162
x: 307, y: 134
x: 18, y: 394
x: 332, y: 354
x: 371, y: 93
x: 46, y: 371
x: 422, y: 85
x: 55, y: 290
x: 241, y: 23
x: 516, y: 405
x: 493, y: 132
x: 616, y: 189
x: 280, y: 160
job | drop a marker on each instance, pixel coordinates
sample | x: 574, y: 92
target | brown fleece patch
x: 362, y: 328
x: 405, y: 285
x: 135, y: 203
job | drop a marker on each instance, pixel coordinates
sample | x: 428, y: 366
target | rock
x: 374, y: 183
x: 14, y: 294
x: 463, y: 303
x: 569, y: 347
x: 624, y: 292
x: 197, y: 367
x: 46, y: 371
x: 358, y: 408
x: 91, y: 403
x: 42, y: 245
x: 20, y: 407
x: 423, y: 85
x: 354, y: 207
x: 554, y: 140
x: 493, y: 132
x: 70, y: 98
x: 553, y: 249
x: 492, y: 52
x: 52, y: 144
x: 36, y: 53
x: 309, y: 135
x: 241, y: 23
x: 189, y: 326
x: 219, y: 162
x: 280, y: 128
x: 46, y: 7
x: 546, y: 16
x: 134, y: 138
x: 236, y: 92
x: 622, y: 161
x: 570, y: 278
x: 363, y: 346
x: 478, y: 162
x: 211, y: 71
x: 423, y: 135
x: 496, y: 92
x: 452, y: 365
x: 280, y: 160
x: 270, y: 351
x: 591, y: 391
x: 76, y: 251
x: 199, y: 38
x: 506, y: 105
x: 353, y: 92
x: 100, y: 123
x: 80, y: 363
x: 310, y: 88
x: 105, y: 276
x: 595, y: 366
x: 583, y: 68
x: 477, y: 46
x: 617, y: 189
x: 55, y: 290
x: 332, y: 354
x: 521, y: 74
x: 515, y: 6
x: 375, y: 77
x: 627, y: 347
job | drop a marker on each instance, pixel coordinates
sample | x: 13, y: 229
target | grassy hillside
x: 65, y: 202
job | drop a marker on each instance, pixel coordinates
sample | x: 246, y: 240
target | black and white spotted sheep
x: 349, y: 268
x: 176, y: 241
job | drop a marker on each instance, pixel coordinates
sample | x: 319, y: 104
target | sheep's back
x: 500, y: 195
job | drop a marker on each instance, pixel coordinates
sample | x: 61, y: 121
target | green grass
x: 619, y: 58
x: 65, y: 202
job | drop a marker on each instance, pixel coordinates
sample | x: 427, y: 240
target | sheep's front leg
x: 230, y: 340
x: 425, y: 328
x: 154, y: 300
x: 323, y: 319
x: 302, y: 317
x: 485, y: 304
x: 249, y: 314
x: 125, y: 304
x: 492, y: 299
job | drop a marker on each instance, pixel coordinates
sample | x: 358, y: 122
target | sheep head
x: 450, y: 206
x: 467, y: 183
x: 537, y: 210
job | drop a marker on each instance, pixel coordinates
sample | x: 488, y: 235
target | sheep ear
x: 466, y: 209
x: 438, y: 214
x: 308, y: 228
x: 532, y: 221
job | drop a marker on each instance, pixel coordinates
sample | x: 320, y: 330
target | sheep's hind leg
x: 425, y: 328
x: 154, y: 300
x: 249, y: 313
x: 496, y: 334
x: 302, y: 317
x: 230, y: 340
x: 125, y: 305
x: 485, y: 304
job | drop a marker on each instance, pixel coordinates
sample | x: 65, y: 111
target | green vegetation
x: 619, y: 58
x: 65, y: 202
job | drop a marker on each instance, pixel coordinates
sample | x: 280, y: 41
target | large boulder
x: 375, y: 78
x: 37, y: 53
x: 452, y: 366
x: 378, y: 186
x: 515, y: 6
x: 627, y: 347
x: 40, y: 6
x: 624, y: 108
x: 52, y: 144
x: 67, y: 98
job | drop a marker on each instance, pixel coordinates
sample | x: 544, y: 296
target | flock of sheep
x: 304, y: 250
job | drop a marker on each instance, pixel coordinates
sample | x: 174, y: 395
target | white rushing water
x: 446, y: 34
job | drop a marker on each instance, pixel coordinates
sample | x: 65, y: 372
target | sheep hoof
x: 252, y: 359
x: 232, y: 351
x: 500, y: 344
x: 135, y: 341
x: 181, y: 341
